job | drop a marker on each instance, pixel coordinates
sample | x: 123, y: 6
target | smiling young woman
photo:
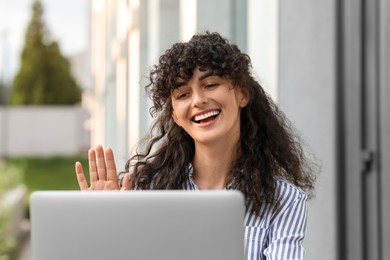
x: 216, y: 128
x: 208, y: 108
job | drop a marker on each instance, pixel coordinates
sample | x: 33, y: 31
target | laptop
x: 137, y: 225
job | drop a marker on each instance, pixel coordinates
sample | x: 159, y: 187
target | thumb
x: 126, y: 183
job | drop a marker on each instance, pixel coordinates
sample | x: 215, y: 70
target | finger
x: 93, y: 176
x: 110, y: 164
x: 101, y: 164
x: 80, y: 176
x: 126, y: 183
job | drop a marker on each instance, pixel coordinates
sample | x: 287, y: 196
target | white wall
x: 263, y: 43
x: 307, y: 93
x: 43, y: 131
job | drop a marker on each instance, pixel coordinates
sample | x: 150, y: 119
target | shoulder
x: 289, y: 199
x: 278, y: 226
x: 286, y: 191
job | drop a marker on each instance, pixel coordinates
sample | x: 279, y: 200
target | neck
x: 212, y: 164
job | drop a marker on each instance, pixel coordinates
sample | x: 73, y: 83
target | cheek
x: 178, y: 116
x: 176, y: 105
x: 179, y: 109
x: 235, y: 102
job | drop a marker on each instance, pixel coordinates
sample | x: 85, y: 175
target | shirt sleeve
x: 288, y: 230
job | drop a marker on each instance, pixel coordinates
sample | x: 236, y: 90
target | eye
x: 181, y: 92
x: 211, y: 82
x: 182, y: 95
x: 211, y: 85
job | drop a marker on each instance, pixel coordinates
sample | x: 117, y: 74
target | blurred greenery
x: 53, y: 173
x: 10, y: 177
x: 36, y: 173
x: 44, y: 76
x: 8, y: 245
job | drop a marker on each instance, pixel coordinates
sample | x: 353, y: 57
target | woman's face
x: 208, y: 107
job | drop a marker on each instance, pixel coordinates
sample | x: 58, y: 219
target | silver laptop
x: 137, y: 225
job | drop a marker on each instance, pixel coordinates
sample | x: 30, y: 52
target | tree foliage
x: 3, y: 94
x: 44, y: 76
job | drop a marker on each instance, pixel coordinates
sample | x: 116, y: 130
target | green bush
x: 36, y: 173
x: 10, y: 177
x: 8, y: 245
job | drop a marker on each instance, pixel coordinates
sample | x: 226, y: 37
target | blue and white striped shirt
x: 275, y: 234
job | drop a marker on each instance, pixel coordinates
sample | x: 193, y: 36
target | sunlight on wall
x: 98, y: 36
x: 98, y: 5
x: 134, y: 77
x: 263, y: 24
x: 188, y: 10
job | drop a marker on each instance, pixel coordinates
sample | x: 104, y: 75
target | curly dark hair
x: 269, y: 147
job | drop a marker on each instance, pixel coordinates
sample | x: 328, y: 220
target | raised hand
x: 102, y: 172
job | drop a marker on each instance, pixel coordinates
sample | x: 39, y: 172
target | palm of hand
x: 104, y: 185
x: 102, y: 171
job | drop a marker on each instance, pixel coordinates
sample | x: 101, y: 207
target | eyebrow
x: 202, y: 77
x: 178, y: 85
x: 206, y: 75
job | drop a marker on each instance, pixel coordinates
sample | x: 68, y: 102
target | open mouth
x: 203, y: 118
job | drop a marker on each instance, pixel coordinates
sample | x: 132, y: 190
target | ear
x: 244, y: 98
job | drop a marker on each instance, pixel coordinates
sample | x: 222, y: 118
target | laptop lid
x: 140, y: 225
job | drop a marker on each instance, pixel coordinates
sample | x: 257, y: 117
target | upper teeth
x: 206, y: 115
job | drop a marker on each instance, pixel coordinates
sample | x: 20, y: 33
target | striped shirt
x: 274, y: 234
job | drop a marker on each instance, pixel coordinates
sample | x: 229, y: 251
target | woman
x: 216, y: 128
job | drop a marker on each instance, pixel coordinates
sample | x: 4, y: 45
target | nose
x: 199, y: 98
